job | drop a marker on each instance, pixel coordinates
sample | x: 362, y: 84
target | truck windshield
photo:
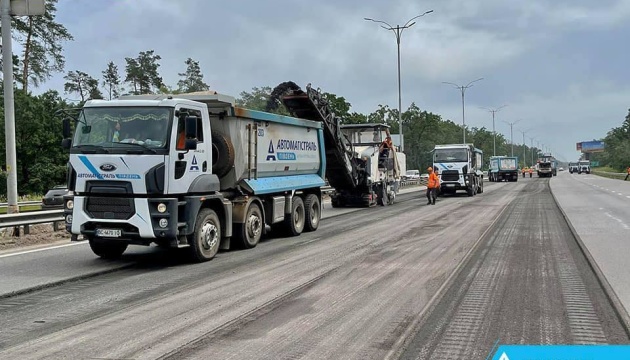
x: 451, y: 155
x: 363, y: 136
x: 113, y: 126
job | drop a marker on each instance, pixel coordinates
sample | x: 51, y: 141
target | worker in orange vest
x: 628, y: 173
x: 432, y: 185
x: 531, y: 171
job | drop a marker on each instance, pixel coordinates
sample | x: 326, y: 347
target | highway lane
x: 348, y: 290
x: 45, y: 266
x: 527, y: 283
x: 599, y: 210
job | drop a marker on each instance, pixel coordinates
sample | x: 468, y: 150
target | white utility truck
x: 459, y: 168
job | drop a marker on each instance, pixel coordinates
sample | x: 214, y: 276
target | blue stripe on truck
x: 283, y: 183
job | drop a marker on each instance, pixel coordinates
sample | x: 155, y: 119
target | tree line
x: 617, y: 147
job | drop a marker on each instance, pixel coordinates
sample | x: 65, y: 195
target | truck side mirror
x: 67, y: 132
x: 191, y: 127
x: 190, y: 124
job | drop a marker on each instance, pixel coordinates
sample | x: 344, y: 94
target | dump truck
x: 196, y: 171
x: 547, y: 166
x: 503, y: 168
x: 584, y: 166
x: 459, y: 168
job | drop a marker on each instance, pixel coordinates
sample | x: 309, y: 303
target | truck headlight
x: 69, y: 204
x: 161, y: 208
x: 163, y: 223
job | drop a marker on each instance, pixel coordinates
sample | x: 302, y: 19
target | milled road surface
x: 527, y: 283
x: 346, y: 291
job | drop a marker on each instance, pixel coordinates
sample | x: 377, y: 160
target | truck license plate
x: 450, y: 185
x: 108, y: 232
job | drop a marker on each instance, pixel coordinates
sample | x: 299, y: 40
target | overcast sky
x: 561, y: 66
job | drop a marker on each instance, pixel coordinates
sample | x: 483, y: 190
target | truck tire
x: 313, y: 212
x: 381, y: 191
x: 248, y: 234
x: 222, y: 154
x: 108, y: 249
x: 205, y: 240
x: 294, y: 222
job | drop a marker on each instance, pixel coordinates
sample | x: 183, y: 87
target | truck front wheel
x: 205, y: 240
x: 108, y: 249
x: 313, y: 212
x: 250, y: 232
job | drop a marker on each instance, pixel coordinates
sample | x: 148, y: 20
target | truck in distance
x: 546, y: 166
x: 573, y: 167
x: 503, y: 168
x: 459, y: 168
x: 584, y: 166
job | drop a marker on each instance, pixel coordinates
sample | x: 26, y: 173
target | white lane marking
x: 619, y: 221
x: 620, y: 194
x: 628, y: 197
x: 42, y: 249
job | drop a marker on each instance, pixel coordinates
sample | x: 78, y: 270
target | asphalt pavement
x: 599, y: 211
x: 527, y: 283
x: 349, y: 290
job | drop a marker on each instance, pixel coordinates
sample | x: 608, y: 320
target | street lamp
x: 463, y: 88
x: 494, y: 141
x: 398, y: 32
x: 524, y: 146
x: 512, y: 134
x: 531, y: 147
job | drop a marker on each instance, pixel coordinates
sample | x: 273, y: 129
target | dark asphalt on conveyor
x: 348, y: 290
x: 527, y: 283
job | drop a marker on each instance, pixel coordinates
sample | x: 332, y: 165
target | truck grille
x: 450, y: 175
x: 110, y: 208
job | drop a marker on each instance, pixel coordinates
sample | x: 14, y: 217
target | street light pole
x: 524, y: 147
x: 9, y: 107
x: 463, y: 88
x: 494, y: 140
x: 531, y: 139
x: 398, y: 32
x: 511, y: 133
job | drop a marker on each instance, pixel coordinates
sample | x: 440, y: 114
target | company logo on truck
x: 95, y: 174
x: 283, y: 144
x: 108, y: 167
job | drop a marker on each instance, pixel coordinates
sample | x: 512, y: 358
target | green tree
x: 111, y: 80
x: 142, y: 72
x: 42, y: 40
x: 82, y: 84
x: 192, y: 79
x: 41, y: 162
x: 257, y: 100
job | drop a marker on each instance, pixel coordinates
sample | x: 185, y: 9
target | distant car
x: 560, y: 169
x: 54, y: 197
x: 424, y: 176
x: 412, y: 175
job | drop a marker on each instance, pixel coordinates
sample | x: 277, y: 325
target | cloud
x: 561, y: 61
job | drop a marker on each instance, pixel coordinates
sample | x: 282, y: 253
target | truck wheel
x: 248, y: 234
x: 294, y: 223
x: 205, y: 240
x: 313, y: 212
x: 108, y: 249
x: 382, y: 195
x: 222, y: 154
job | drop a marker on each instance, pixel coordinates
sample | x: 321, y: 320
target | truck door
x: 185, y: 166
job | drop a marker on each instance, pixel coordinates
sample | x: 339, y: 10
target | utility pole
x: 531, y: 139
x: 24, y: 8
x: 462, y: 89
x: 512, y: 133
x: 398, y: 32
x: 494, y: 133
x: 524, y: 147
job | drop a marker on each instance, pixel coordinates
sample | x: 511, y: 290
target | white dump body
x: 277, y: 146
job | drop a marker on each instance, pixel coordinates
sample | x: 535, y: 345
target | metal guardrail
x: 31, y: 218
x: 23, y: 203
